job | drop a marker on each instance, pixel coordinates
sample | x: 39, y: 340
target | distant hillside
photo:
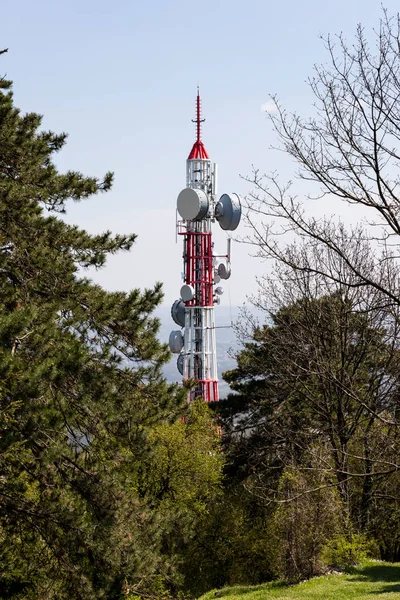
x: 225, y: 337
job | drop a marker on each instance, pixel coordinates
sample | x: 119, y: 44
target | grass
x: 373, y: 580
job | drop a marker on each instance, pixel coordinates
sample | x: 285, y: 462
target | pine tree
x: 81, y: 389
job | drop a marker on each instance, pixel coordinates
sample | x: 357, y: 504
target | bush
x: 345, y: 551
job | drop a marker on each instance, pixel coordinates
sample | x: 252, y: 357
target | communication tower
x: 198, y: 207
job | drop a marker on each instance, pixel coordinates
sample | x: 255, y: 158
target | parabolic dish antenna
x: 228, y: 211
x: 187, y: 292
x: 176, y: 341
x: 224, y: 270
x: 192, y: 204
x: 180, y: 363
x: 178, y: 312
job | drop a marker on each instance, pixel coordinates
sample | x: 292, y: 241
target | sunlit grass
x: 372, y: 580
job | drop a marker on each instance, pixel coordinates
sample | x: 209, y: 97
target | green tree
x: 182, y: 483
x: 235, y: 543
x: 82, y: 397
x: 308, y: 515
x: 317, y: 390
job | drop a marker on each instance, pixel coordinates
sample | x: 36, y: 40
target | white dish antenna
x: 176, y: 341
x: 180, y: 363
x: 224, y: 270
x: 187, y: 292
x: 228, y: 211
x: 192, y: 204
x: 178, y: 312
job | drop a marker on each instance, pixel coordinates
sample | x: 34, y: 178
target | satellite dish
x: 219, y: 291
x: 217, y: 300
x: 175, y: 341
x: 178, y: 312
x: 217, y: 278
x: 187, y: 292
x: 192, y: 204
x: 224, y: 270
x: 180, y: 363
x: 228, y: 211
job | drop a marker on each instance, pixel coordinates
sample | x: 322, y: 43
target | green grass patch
x: 373, y: 579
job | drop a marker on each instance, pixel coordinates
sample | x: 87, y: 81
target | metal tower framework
x: 194, y: 311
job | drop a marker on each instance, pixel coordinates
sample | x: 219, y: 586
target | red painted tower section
x: 198, y: 151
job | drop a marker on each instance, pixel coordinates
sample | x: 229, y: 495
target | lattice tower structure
x: 194, y: 311
x: 200, y: 355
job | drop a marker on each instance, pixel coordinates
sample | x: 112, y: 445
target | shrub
x: 345, y: 551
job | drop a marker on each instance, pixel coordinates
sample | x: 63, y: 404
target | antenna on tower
x: 198, y: 150
x: 198, y: 120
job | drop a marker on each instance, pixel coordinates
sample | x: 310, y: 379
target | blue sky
x: 120, y: 77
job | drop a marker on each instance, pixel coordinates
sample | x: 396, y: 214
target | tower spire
x: 198, y: 151
x: 198, y: 119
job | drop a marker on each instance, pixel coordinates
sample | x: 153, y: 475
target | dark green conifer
x: 81, y: 388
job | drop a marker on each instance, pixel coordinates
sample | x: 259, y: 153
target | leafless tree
x: 348, y: 151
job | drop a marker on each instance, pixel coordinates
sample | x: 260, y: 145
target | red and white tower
x: 202, y: 268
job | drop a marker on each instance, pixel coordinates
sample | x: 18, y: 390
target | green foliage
x: 347, y: 550
x: 235, y: 542
x: 369, y: 581
x: 308, y: 429
x: 384, y: 525
x: 181, y: 481
x: 186, y: 462
x: 309, y: 515
x: 85, y: 414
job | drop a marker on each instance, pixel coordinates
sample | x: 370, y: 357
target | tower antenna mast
x: 198, y: 119
x: 198, y: 208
